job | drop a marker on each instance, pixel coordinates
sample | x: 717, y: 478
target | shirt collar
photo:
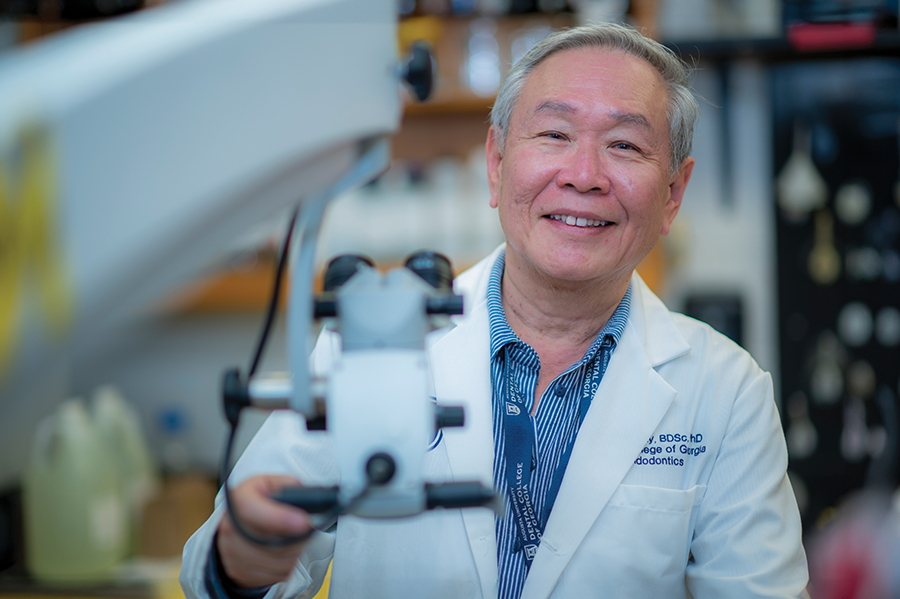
x: 502, y: 334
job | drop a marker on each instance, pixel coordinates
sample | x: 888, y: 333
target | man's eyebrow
x: 622, y: 118
x: 631, y: 118
x: 554, y: 106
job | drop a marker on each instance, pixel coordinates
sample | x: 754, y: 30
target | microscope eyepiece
x: 341, y: 268
x: 433, y: 267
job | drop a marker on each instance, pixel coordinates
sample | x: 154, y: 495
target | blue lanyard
x: 521, y: 458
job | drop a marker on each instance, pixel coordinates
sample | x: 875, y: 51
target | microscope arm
x: 136, y: 151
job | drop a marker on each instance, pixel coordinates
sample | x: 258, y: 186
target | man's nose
x: 584, y: 169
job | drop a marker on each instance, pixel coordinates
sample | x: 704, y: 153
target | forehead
x: 594, y: 80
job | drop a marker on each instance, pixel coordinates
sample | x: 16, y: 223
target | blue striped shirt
x: 556, y: 422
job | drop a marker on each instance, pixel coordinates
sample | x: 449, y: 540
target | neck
x: 558, y: 318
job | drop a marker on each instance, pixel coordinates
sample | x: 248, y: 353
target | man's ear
x: 676, y: 193
x: 494, y: 158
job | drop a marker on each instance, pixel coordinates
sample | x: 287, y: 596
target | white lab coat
x: 724, y: 523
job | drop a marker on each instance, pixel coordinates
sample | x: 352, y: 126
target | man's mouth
x: 578, y: 221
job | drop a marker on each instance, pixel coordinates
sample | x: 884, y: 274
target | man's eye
x: 624, y: 145
x: 554, y: 135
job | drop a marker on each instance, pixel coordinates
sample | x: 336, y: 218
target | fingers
x: 258, y: 512
x: 250, y: 565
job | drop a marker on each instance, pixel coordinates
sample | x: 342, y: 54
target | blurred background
x: 788, y: 241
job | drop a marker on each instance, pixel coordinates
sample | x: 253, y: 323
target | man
x: 639, y: 451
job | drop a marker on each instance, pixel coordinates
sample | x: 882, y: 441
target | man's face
x: 583, y: 186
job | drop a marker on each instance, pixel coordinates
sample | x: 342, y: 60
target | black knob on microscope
x: 341, y: 268
x: 380, y: 469
x: 418, y: 70
x: 433, y: 267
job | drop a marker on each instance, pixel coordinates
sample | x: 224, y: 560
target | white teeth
x: 579, y: 222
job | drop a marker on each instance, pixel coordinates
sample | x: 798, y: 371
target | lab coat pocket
x: 657, y: 498
x: 639, y: 545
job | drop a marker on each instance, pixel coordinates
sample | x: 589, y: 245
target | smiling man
x: 640, y: 452
x: 583, y: 178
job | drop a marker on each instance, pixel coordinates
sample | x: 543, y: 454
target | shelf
x: 802, y: 42
x: 232, y: 291
x: 461, y: 105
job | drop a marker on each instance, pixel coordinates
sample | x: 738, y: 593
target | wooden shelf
x: 230, y: 290
x: 460, y: 105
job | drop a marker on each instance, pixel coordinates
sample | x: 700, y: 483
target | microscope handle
x: 317, y: 500
x: 312, y: 500
x: 459, y: 495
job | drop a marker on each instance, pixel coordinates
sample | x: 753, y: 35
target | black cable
x: 273, y: 300
x: 252, y: 537
x: 254, y: 365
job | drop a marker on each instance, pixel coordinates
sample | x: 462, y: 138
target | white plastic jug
x: 120, y: 429
x: 75, y: 523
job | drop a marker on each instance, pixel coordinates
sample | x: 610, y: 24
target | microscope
x: 374, y: 403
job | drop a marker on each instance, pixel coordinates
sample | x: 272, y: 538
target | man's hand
x: 250, y: 565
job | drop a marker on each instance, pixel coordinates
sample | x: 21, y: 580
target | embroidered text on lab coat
x: 670, y: 449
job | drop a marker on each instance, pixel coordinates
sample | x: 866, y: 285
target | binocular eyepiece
x: 433, y: 267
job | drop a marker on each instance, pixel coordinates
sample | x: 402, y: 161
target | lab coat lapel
x: 461, y: 371
x: 630, y: 403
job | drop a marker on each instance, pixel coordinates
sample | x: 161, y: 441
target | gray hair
x: 683, y: 109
